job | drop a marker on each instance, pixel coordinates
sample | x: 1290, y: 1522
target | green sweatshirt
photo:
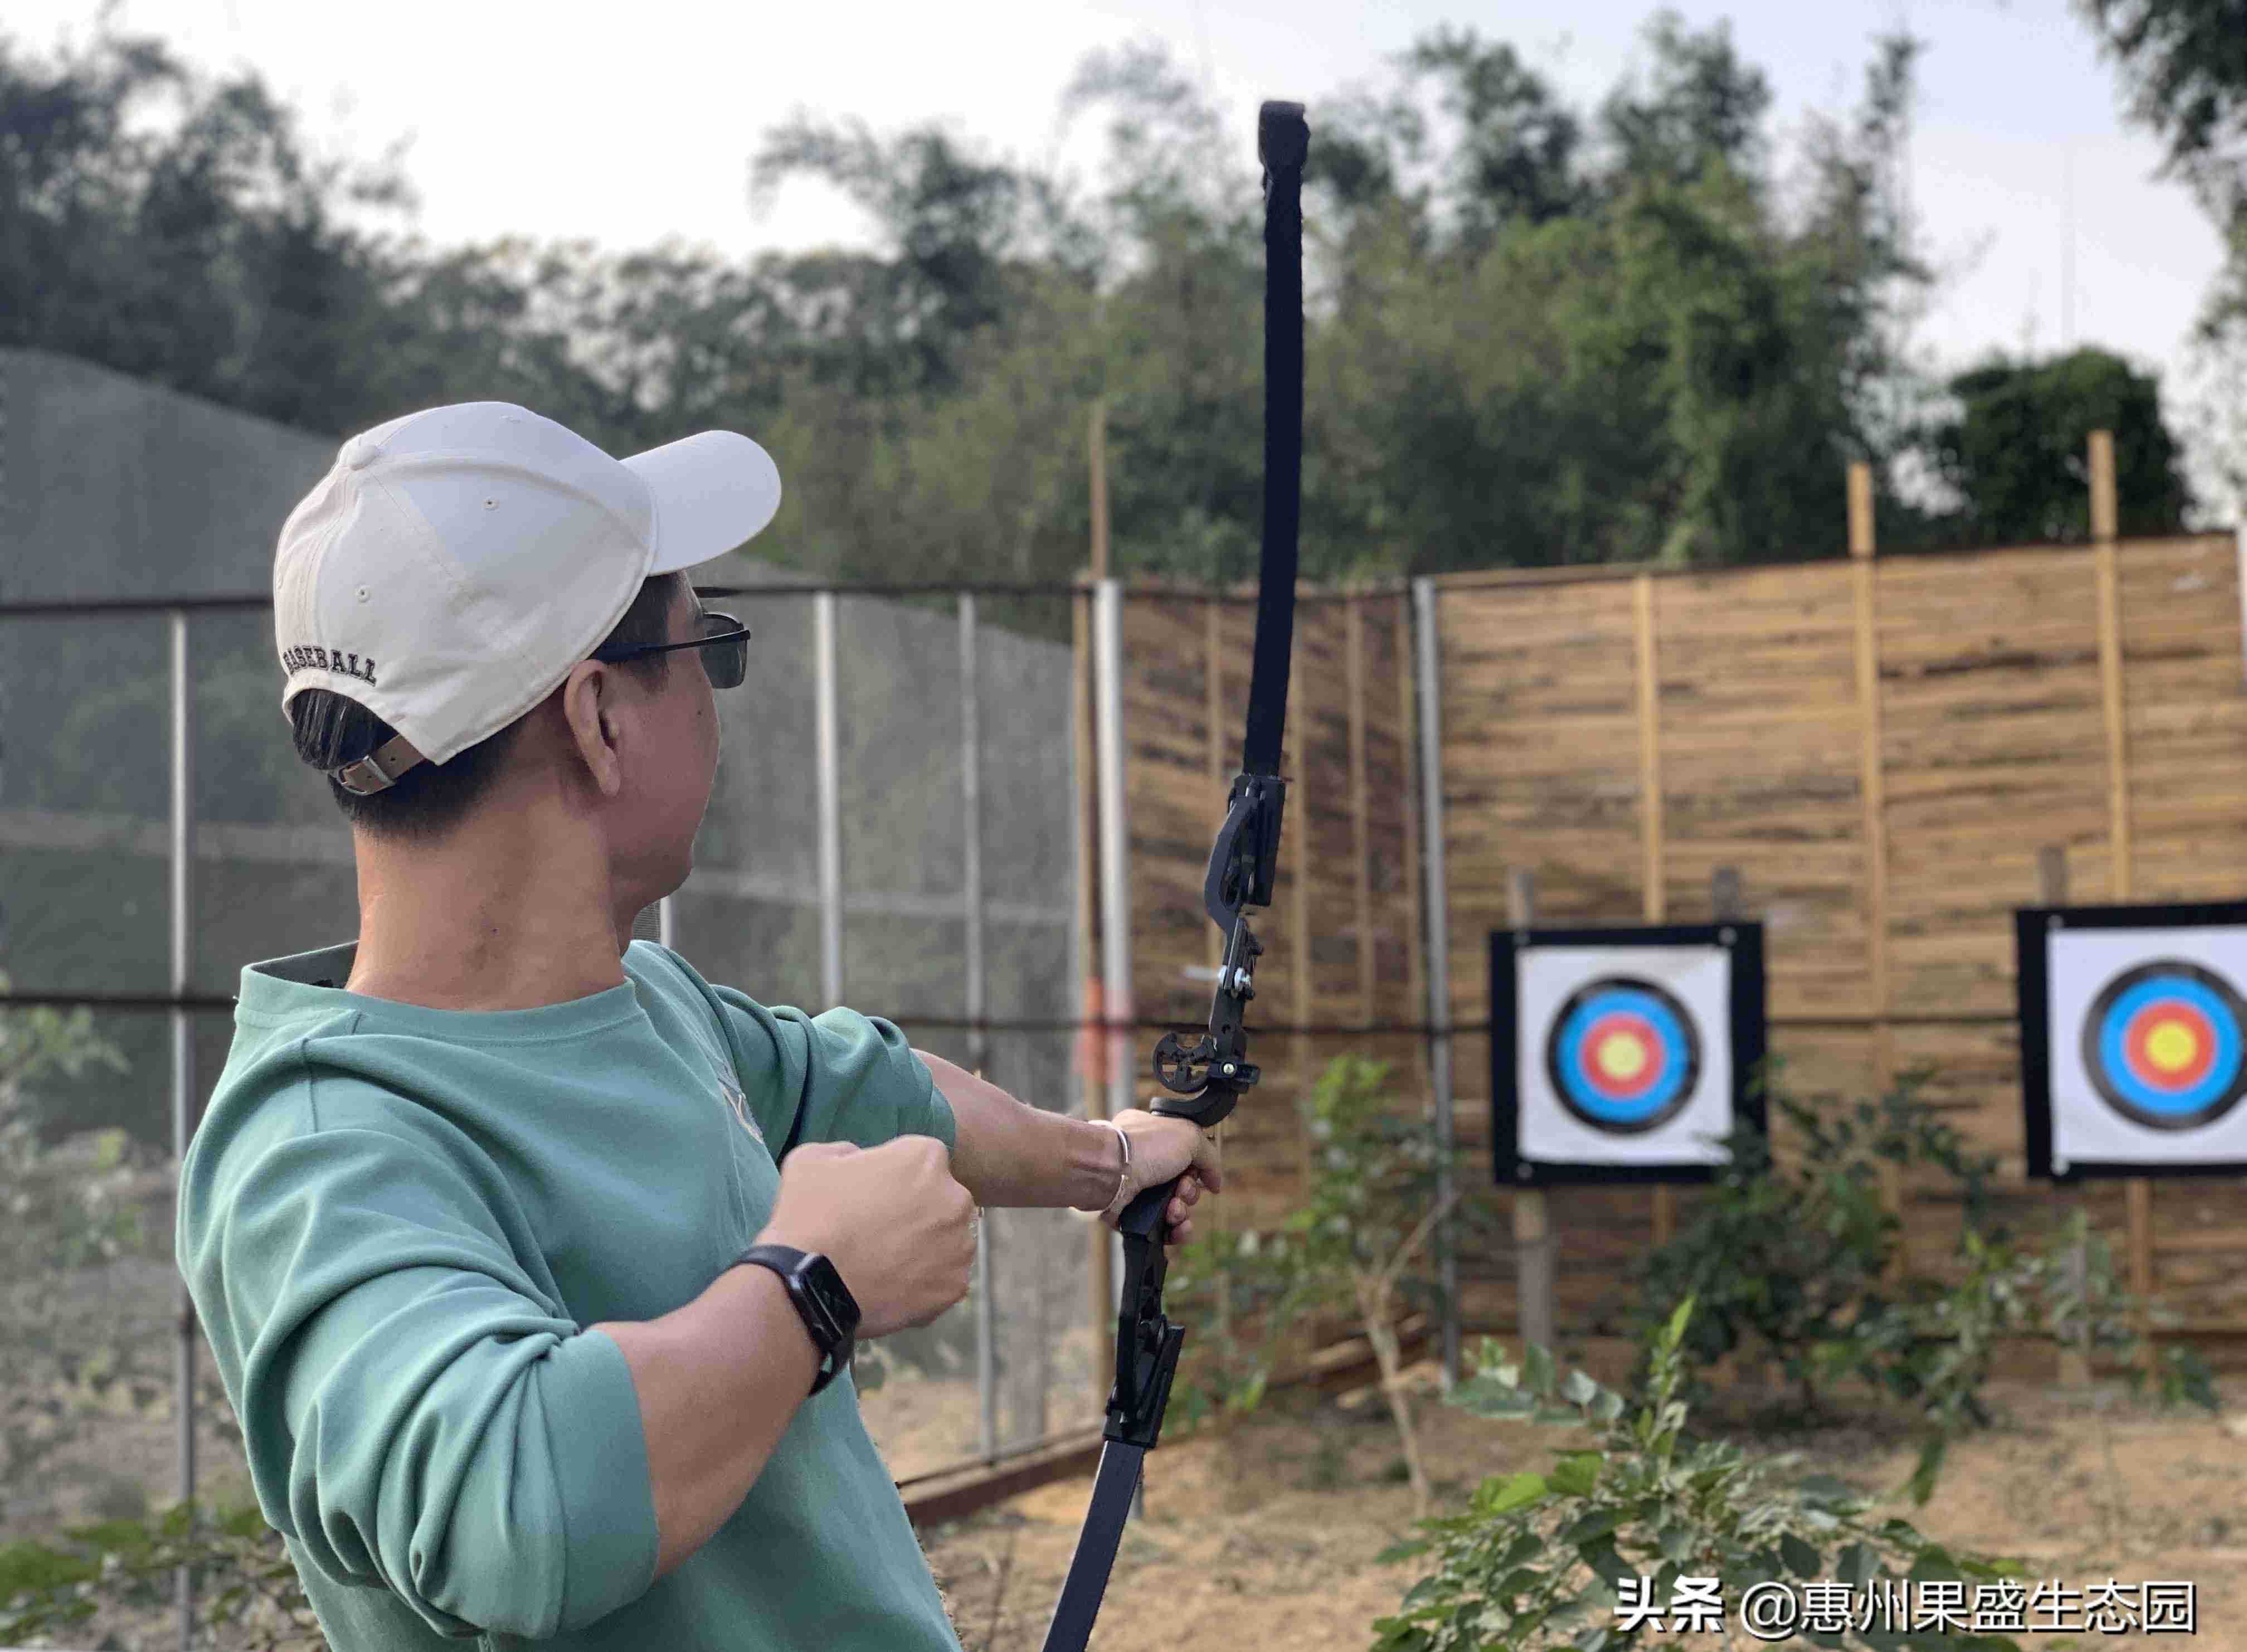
x: 396, y: 1224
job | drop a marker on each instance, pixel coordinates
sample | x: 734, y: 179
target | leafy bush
x: 1936, y: 1352
x: 1790, y: 1257
x: 1544, y: 1559
x: 1804, y: 1260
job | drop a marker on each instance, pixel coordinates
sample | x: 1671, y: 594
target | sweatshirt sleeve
x: 419, y: 1415
x: 850, y: 1077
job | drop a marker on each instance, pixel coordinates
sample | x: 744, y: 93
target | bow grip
x: 1142, y: 1217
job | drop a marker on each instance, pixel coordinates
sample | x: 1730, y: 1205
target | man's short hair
x: 430, y: 799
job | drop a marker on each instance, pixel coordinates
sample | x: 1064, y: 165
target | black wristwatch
x: 827, y: 1309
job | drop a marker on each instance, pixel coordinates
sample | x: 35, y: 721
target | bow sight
x: 1241, y: 868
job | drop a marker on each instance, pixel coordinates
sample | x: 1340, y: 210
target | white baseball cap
x: 453, y: 564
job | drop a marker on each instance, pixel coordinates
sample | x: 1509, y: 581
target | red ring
x: 2142, y: 1067
x: 1627, y: 1024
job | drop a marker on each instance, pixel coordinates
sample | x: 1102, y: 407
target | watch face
x: 826, y: 1288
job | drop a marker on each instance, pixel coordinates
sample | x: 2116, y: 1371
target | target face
x: 1623, y: 1055
x: 2134, y: 1039
x: 2162, y: 1045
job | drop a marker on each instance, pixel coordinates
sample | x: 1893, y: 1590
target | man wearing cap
x: 531, y: 1261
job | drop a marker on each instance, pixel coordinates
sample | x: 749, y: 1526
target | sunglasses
x: 724, y: 643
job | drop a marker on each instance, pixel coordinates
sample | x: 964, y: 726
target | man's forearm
x: 1010, y: 1154
x: 719, y: 1381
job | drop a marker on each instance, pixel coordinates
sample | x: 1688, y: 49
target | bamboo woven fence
x: 1878, y: 750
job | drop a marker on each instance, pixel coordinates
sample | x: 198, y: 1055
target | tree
x: 2015, y: 451
x: 1537, y: 333
x: 2184, y: 66
x: 2184, y: 63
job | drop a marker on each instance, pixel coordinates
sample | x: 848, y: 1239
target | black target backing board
x: 1617, y: 1055
x: 2134, y: 1039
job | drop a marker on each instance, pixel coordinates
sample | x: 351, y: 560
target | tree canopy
x: 1538, y: 332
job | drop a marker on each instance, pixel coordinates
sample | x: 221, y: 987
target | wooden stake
x: 1870, y: 783
x: 2137, y: 1191
x: 1533, y: 1234
x: 1299, y: 907
x: 1724, y: 893
x: 1726, y: 903
x: 1646, y: 668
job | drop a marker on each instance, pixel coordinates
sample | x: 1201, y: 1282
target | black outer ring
x: 2095, y: 1018
x: 1676, y: 1104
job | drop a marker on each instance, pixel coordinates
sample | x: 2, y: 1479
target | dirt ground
x: 1265, y: 1542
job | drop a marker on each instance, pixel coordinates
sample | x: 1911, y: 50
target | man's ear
x: 588, y: 701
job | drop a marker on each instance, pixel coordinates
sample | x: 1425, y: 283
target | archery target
x: 1623, y: 1059
x: 2144, y: 1040
x: 2161, y: 1045
x: 1623, y: 1055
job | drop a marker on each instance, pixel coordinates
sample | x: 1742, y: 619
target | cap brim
x: 713, y: 491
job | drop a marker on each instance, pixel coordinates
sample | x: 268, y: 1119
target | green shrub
x: 1543, y: 1560
x: 1803, y: 1261
x: 1787, y: 1257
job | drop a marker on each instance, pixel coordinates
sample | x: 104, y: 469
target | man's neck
x: 504, y: 923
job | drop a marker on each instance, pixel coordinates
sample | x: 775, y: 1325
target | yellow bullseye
x: 1621, y: 1058
x: 2172, y: 1046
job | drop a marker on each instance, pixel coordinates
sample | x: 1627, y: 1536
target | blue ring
x: 1680, y: 1054
x: 2114, y: 1053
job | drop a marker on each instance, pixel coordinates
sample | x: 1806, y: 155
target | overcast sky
x: 629, y: 123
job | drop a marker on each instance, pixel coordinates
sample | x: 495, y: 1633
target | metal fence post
x: 183, y: 1062
x: 1438, y: 930
x: 971, y: 796
x: 830, y: 802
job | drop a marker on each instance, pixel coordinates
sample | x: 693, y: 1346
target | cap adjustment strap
x: 379, y: 769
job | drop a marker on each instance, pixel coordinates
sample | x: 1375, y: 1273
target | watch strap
x: 836, y: 1343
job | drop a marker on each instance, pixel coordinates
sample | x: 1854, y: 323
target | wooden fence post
x: 1533, y: 1234
x: 1871, y: 783
x: 2075, y: 1362
x: 2137, y: 1191
x: 1647, y: 668
x: 1409, y: 765
x: 1361, y: 807
x: 1299, y: 906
